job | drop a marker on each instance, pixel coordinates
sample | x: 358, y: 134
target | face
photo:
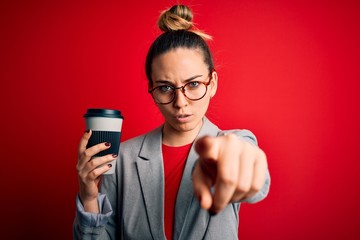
x: 176, y: 68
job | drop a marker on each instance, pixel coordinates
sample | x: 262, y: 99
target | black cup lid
x: 103, y: 112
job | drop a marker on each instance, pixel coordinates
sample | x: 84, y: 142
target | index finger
x: 84, y: 141
x: 227, y: 174
x: 207, y: 147
x: 202, y: 185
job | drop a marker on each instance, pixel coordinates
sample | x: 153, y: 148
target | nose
x: 180, y: 98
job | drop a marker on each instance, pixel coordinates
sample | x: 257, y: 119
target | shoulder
x: 243, y: 134
x: 137, y: 142
x: 133, y: 141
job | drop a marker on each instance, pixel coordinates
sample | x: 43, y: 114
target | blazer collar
x: 151, y: 175
x: 186, y: 192
x: 151, y: 147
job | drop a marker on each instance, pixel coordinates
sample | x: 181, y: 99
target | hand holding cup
x: 98, y: 150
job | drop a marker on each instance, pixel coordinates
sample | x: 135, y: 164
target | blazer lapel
x: 150, y: 170
x: 185, y: 193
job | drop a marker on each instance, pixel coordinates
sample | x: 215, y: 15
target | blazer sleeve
x: 248, y: 136
x: 98, y: 226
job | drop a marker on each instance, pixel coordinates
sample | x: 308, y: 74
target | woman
x: 185, y: 179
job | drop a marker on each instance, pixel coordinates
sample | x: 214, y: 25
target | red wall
x: 287, y: 71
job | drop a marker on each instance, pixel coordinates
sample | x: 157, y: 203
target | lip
x: 183, y: 117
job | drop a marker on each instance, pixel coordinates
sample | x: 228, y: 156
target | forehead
x: 179, y: 63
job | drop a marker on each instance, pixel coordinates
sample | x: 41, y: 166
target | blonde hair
x: 178, y: 32
x: 179, y: 17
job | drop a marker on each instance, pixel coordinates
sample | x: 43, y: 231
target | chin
x: 185, y: 127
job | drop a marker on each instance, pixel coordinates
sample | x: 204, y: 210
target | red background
x: 287, y: 71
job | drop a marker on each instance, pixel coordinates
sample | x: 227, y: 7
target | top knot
x: 179, y: 17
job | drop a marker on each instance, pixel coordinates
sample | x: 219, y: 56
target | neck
x: 173, y: 137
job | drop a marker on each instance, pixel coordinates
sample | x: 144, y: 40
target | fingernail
x: 109, y: 165
x: 87, y: 130
x: 108, y: 144
x: 114, y: 155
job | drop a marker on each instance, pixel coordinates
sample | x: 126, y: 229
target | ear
x: 213, y: 84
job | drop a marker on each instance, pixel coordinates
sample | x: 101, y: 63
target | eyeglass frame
x: 182, y: 90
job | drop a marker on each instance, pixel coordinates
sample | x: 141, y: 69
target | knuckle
x: 262, y: 155
x: 228, y: 180
x: 255, y: 188
x: 92, y: 163
x: 87, y: 154
x: 231, y: 137
x: 243, y: 188
x: 257, y: 185
x: 93, y: 174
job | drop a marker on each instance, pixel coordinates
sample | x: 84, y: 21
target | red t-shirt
x: 174, y: 163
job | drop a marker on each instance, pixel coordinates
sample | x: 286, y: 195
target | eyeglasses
x: 194, y: 90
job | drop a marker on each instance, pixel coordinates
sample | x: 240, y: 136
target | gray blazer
x: 132, y: 200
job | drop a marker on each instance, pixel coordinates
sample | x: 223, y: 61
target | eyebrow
x: 185, y: 81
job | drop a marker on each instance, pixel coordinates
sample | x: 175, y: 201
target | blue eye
x: 165, y: 88
x: 194, y: 84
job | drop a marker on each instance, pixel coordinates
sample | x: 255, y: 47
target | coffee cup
x: 105, y: 125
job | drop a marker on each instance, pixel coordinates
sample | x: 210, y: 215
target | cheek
x: 164, y: 109
x: 203, y: 104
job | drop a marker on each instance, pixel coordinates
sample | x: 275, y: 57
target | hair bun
x: 178, y: 17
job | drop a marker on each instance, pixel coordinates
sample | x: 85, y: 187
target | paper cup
x: 105, y: 125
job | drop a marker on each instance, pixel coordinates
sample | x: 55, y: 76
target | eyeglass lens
x: 192, y: 90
